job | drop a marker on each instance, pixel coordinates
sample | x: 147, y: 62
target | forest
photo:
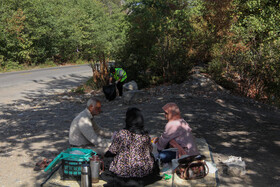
x: 156, y: 41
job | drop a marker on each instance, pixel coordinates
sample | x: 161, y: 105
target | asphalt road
x: 24, y: 85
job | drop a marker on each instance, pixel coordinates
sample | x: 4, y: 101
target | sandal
x: 42, y: 164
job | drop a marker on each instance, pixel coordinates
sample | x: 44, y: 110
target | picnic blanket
x: 209, y: 181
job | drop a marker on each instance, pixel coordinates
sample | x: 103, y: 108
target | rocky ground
x: 232, y: 126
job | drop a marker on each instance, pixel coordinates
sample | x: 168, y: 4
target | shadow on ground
x: 40, y: 127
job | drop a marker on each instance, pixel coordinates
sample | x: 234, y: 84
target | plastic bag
x: 76, y: 152
x: 110, y: 92
x: 212, y: 167
x: 155, y: 151
x: 166, y: 169
x: 235, y: 166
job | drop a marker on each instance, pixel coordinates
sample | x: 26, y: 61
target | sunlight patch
x: 226, y: 144
x: 277, y: 142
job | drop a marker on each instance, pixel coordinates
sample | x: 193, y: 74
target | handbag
x: 192, y: 167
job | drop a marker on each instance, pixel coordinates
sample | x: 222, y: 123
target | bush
x: 10, y: 65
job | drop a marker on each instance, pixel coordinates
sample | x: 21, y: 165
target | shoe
x: 42, y: 164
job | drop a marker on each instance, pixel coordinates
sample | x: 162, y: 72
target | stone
x: 132, y: 85
x: 134, y: 96
x: 235, y: 170
x: 234, y: 166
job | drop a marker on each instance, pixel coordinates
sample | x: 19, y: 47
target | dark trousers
x: 167, y: 156
x: 120, y: 88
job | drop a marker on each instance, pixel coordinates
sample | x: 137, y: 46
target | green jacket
x: 119, y: 73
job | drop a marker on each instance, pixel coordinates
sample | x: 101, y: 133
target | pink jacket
x: 180, y: 131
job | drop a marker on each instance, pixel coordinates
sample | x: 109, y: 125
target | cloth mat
x: 209, y: 181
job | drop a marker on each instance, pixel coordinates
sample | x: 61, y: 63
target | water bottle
x: 95, y: 164
x: 85, y: 176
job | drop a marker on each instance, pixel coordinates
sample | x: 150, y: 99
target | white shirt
x: 82, y: 131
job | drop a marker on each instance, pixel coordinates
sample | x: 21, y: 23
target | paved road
x: 24, y: 85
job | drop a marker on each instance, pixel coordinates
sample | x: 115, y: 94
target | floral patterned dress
x: 133, y: 154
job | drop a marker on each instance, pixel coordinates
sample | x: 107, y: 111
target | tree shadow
x: 38, y: 126
x: 235, y: 127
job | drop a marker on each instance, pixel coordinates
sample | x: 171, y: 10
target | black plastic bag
x: 110, y: 92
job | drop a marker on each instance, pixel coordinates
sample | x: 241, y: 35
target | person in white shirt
x: 85, y: 133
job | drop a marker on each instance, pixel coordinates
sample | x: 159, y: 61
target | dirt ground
x: 232, y: 126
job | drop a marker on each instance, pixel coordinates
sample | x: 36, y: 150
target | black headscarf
x: 135, y: 121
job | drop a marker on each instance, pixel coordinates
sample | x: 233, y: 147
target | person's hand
x: 181, y: 152
x: 154, y: 140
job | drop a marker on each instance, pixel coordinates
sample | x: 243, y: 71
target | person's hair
x: 92, y: 102
x: 172, y: 111
x: 112, y: 69
x: 135, y: 121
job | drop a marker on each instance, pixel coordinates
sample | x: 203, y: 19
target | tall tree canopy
x: 156, y: 41
x: 33, y: 31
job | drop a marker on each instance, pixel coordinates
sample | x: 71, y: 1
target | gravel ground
x: 232, y: 125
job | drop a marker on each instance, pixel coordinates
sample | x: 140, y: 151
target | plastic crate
x: 71, y: 163
x: 72, y: 168
x: 66, y: 155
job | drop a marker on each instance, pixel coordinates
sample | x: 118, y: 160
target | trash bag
x: 110, y: 92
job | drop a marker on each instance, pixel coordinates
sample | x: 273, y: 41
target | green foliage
x: 154, y: 41
x: 10, y: 66
x: 249, y: 56
x: 158, y: 41
x: 87, y: 87
x: 79, y: 90
x: 66, y: 30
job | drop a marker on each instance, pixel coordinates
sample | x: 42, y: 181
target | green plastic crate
x: 71, y: 163
x: 74, y: 157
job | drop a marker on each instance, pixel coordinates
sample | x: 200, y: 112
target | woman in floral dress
x: 131, y: 148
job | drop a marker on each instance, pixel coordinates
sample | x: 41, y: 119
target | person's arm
x: 154, y: 140
x: 168, y: 134
x: 150, y: 146
x: 101, y: 131
x: 174, y: 144
x: 86, y: 129
x: 120, y: 75
x: 116, y: 143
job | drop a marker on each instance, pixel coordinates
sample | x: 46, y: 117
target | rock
x: 235, y: 170
x: 65, y: 97
x: 234, y: 166
x: 132, y: 85
x: 134, y: 96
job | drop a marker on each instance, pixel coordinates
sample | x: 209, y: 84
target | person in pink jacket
x: 176, y: 129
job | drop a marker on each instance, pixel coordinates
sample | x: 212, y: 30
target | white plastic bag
x: 166, y: 169
x: 155, y: 151
x: 235, y: 166
x: 212, y: 167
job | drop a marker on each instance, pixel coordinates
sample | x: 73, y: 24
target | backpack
x: 192, y: 167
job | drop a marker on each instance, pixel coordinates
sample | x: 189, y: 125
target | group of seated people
x: 128, y: 152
